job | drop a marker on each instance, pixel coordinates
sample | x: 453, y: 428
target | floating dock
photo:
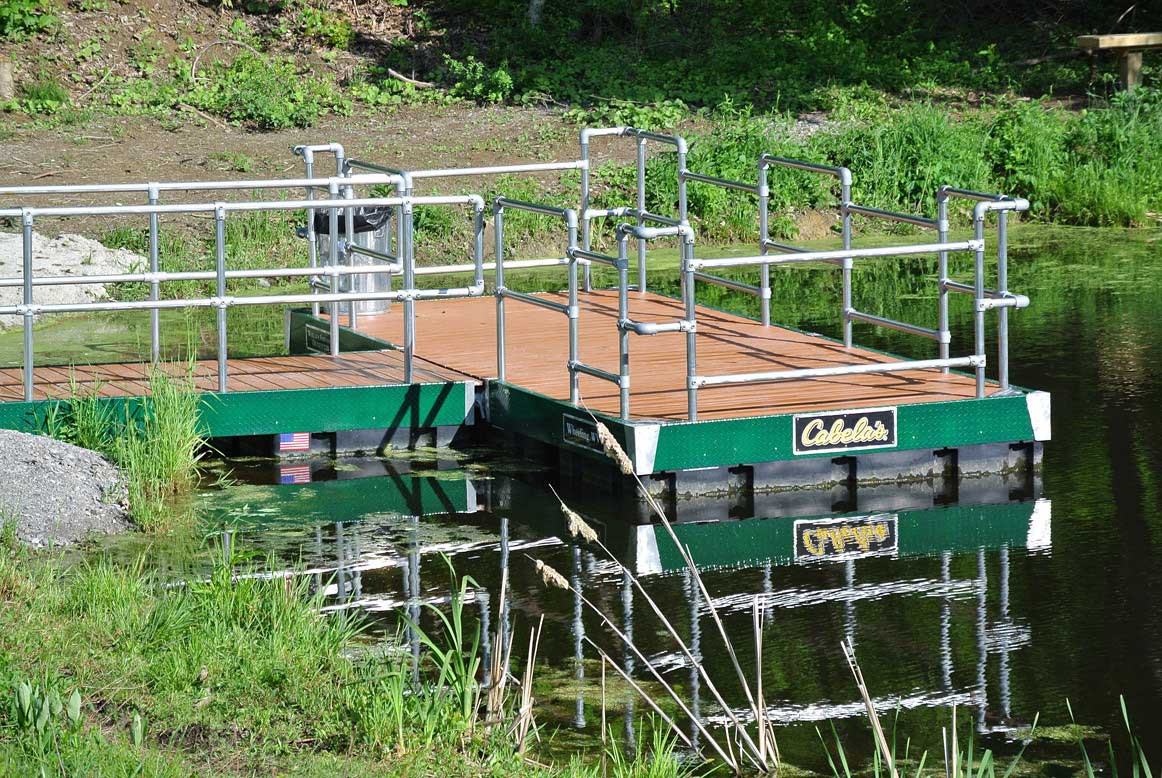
x: 703, y: 401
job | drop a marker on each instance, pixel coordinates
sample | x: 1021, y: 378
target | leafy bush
x: 21, y: 18
x: 473, y: 80
x: 330, y: 28
x: 268, y: 94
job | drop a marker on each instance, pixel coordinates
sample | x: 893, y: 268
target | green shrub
x: 473, y: 80
x: 327, y: 27
x: 22, y: 18
x: 1026, y: 149
x: 899, y: 159
x: 268, y: 94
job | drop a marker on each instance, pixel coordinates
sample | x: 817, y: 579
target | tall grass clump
x: 156, y: 442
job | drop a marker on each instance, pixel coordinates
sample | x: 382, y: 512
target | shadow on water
x: 1003, y: 599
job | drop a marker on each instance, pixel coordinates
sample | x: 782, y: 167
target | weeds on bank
x: 156, y: 443
x: 241, y: 672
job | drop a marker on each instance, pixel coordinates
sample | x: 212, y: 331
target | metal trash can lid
x: 366, y: 219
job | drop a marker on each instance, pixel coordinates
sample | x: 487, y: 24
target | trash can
x: 372, y: 230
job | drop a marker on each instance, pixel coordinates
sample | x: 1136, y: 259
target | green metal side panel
x: 769, y: 438
x: 329, y: 410
x: 524, y: 412
x: 919, y: 533
x: 298, y: 410
x: 729, y: 442
x: 311, y: 335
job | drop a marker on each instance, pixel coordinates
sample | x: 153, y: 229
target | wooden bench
x: 1129, y: 47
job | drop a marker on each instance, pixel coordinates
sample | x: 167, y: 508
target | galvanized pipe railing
x: 153, y: 190
x: 946, y: 284
x: 1004, y: 301
x: 941, y: 335
x: 976, y: 360
x: 571, y: 309
x: 763, y: 290
x: 766, y: 161
x: 639, y: 212
x: 28, y: 308
x: 308, y: 154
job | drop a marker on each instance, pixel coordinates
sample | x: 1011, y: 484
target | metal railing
x: 570, y: 309
x: 398, y: 258
x: 626, y: 325
x: 28, y: 309
x: 154, y: 189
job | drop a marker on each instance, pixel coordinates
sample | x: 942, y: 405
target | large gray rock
x: 64, y: 255
x: 58, y: 493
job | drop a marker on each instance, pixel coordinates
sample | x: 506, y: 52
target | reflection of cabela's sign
x: 844, y: 430
x: 845, y: 538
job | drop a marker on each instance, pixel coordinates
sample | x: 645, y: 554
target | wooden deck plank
x: 456, y: 340
x: 537, y: 349
x: 372, y: 368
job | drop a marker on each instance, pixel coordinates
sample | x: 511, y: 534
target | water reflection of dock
x: 375, y: 544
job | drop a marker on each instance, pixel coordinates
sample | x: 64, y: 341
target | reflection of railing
x: 220, y: 300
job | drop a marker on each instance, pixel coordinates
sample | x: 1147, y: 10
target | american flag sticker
x: 294, y: 441
x: 294, y: 474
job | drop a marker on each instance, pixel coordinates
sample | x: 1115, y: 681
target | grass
x: 156, y: 443
x: 234, y: 675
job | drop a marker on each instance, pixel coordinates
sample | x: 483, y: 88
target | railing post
x: 478, y: 244
x: 312, y: 249
x: 942, y: 299
x: 348, y: 241
x: 585, y: 225
x: 220, y: 260
x: 845, y: 214
x: 622, y: 316
x: 333, y: 261
x: 154, y: 286
x: 409, y: 285
x: 26, y: 237
x: 687, y: 243
x: 764, y: 193
x: 641, y: 209
x: 683, y: 203
x: 1003, y: 287
x: 574, y: 312
x: 978, y: 233
x: 498, y: 231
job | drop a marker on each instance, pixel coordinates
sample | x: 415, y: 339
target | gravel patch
x: 58, y: 493
x: 64, y: 255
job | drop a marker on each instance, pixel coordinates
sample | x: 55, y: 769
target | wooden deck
x: 460, y: 336
x: 367, y: 368
x: 456, y: 341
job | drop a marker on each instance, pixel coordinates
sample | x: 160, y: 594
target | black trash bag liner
x: 366, y: 220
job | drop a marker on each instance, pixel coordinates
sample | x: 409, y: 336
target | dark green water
x: 1006, y: 604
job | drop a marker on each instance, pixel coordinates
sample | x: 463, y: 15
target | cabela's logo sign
x: 817, y: 433
x: 845, y: 538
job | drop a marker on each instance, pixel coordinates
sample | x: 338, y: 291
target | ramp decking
x: 460, y: 336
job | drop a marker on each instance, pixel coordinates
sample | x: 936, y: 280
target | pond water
x: 1005, y: 603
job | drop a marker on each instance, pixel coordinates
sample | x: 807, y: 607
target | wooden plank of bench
x: 1133, y: 40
